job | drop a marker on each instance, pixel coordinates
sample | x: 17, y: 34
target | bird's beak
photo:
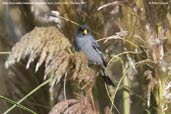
x: 85, y: 31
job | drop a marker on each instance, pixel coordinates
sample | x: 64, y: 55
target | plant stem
x: 126, y: 101
x: 18, y: 105
x: 29, y: 94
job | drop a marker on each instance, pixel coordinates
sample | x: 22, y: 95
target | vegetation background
x: 135, y: 36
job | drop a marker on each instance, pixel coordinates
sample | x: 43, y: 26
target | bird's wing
x: 97, y: 48
x: 76, y: 46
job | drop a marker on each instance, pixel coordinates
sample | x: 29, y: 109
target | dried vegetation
x: 137, y: 42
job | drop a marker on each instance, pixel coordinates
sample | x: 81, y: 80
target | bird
x: 85, y: 42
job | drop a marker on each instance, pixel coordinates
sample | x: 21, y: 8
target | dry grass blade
x: 115, y: 3
x: 151, y: 85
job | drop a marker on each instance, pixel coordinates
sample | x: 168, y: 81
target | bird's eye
x: 85, y: 31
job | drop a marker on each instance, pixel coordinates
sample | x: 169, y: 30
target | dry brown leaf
x: 152, y: 82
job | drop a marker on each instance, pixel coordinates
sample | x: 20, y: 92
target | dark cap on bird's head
x: 83, y: 30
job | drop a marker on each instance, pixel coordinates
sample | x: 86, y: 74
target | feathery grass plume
x: 82, y: 72
x: 73, y: 106
x: 52, y: 48
x: 46, y: 43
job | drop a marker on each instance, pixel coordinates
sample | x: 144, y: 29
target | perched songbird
x: 85, y: 42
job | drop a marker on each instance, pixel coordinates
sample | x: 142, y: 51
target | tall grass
x: 134, y: 35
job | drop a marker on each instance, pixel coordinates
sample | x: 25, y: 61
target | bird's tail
x: 107, y: 78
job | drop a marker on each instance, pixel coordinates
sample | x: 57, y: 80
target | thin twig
x: 116, y: 3
x: 5, y: 53
x: 126, y: 52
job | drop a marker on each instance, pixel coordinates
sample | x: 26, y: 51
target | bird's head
x: 83, y: 30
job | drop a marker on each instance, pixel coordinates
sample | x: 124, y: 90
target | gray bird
x: 85, y: 42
